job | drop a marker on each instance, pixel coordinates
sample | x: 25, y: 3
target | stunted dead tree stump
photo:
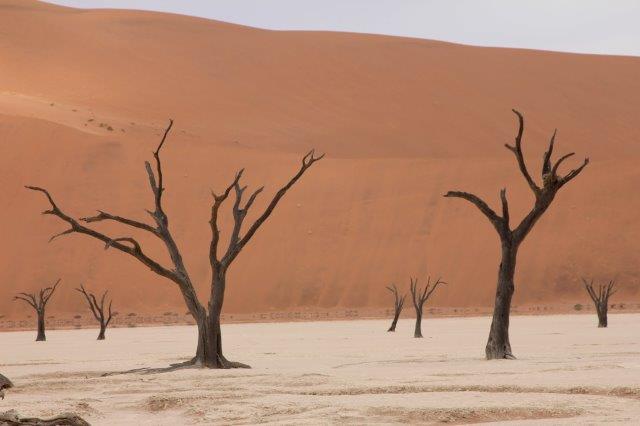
x: 498, y: 345
x: 11, y: 418
x: 5, y: 384
x: 97, y: 309
x: 397, y: 305
x: 39, y: 304
x: 209, y: 346
x: 420, y: 296
x: 601, y: 299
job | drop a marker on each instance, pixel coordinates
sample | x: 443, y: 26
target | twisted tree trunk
x: 498, y: 345
x: 417, y: 331
x: 398, y: 303
x: 41, y: 337
x: 396, y: 316
x: 602, y: 316
x: 103, y: 329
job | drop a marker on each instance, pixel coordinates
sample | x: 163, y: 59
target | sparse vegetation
x: 419, y: 296
x: 98, y: 310
x: 600, y: 299
x: 397, y: 304
x: 39, y: 304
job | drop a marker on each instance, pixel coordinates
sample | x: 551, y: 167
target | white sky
x: 586, y: 26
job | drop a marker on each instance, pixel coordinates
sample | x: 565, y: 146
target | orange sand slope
x: 84, y: 96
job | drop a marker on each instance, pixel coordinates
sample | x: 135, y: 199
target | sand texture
x: 343, y: 372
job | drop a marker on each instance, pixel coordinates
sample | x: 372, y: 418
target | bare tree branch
x: 107, y: 216
x: 517, y: 150
x: 307, y: 161
x: 493, y: 217
x: 134, y: 251
x: 546, y: 160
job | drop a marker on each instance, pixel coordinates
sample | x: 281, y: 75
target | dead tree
x: 39, y: 303
x: 498, y: 345
x: 97, y: 309
x: 601, y: 299
x: 397, y: 304
x: 209, y: 348
x: 420, y: 296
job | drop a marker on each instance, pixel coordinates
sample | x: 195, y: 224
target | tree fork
x: 397, y: 305
x: 39, y: 304
x: 97, y: 309
x: 600, y: 299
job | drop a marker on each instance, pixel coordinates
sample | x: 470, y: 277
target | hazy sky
x: 588, y: 26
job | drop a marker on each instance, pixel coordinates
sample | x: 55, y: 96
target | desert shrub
x: 577, y: 307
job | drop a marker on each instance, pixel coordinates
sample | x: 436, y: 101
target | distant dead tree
x: 420, y: 296
x: 397, y: 304
x: 498, y: 345
x: 600, y: 299
x: 39, y: 303
x: 97, y: 309
x: 209, y: 349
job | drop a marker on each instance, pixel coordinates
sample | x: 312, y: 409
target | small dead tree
x: 420, y: 296
x: 601, y: 299
x: 498, y: 345
x: 397, y: 304
x: 209, y: 348
x: 39, y: 303
x: 97, y: 309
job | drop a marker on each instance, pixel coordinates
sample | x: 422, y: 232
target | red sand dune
x: 401, y: 120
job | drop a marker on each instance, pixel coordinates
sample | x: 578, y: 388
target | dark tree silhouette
x: 97, y: 309
x: 397, y: 304
x: 39, y: 303
x: 209, y: 349
x: 11, y: 418
x: 498, y: 345
x: 5, y: 384
x: 601, y: 299
x: 420, y: 296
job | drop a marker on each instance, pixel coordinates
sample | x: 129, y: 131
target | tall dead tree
x: 397, y: 304
x: 498, y: 345
x: 420, y: 296
x: 97, y: 309
x: 209, y: 348
x: 601, y: 299
x: 39, y: 304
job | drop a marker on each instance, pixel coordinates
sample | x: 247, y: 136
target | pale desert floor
x: 354, y: 372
